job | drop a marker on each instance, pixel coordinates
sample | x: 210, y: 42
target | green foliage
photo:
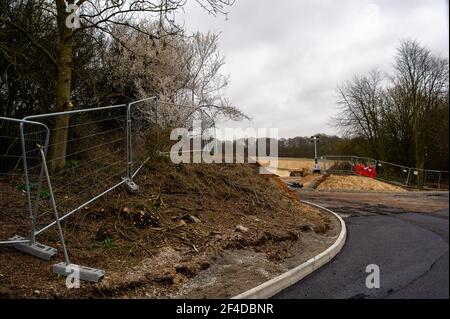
x: 108, y: 244
x: 72, y: 164
x: 22, y: 187
x: 44, y: 194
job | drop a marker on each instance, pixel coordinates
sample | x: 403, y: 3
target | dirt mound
x: 184, y: 217
x: 357, y: 183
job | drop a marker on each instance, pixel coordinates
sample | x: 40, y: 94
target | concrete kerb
x: 277, y: 284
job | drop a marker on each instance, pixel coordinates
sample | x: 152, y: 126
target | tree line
x: 401, y: 117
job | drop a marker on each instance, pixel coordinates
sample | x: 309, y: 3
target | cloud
x: 285, y: 58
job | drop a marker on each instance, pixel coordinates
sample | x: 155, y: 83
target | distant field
x: 289, y: 163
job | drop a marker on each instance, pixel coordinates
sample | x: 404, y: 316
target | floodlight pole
x: 315, y: 140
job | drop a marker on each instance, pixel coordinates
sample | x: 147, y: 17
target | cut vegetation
x: 193, y: 231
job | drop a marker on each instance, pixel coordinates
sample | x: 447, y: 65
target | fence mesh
x: 431, y: 179
x: 393, y: 173
x: 17, y: 196
x: 86, y: 157
x: 338, y: 164
x: 416, y: 178
x: 151, y: 125
x: 389, y: 172
x: 89, y: 152
x: 443, y: 180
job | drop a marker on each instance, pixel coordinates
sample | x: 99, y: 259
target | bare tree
x: 361, y: 102
x: 402, y: 119
x: 179, y: 70
x: 420, y: 85
x: 152, y: 65
x: 204, y: 82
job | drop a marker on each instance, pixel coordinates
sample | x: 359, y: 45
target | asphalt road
x: 398, y: 233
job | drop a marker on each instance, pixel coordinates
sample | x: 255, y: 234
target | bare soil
x: 177, y: 237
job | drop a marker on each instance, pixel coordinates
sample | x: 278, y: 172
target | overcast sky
x: 286, y: 57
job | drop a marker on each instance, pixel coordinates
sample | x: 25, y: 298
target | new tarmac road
x: 404, y: 234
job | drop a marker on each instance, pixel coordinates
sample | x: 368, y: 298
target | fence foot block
x: 38, y: 250
x: 131, y: 186
x: 85, y: 273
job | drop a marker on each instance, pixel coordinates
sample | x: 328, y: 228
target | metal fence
x: 151, y: 122
x: 388, y: 172
x: 53, y: 165
x: 345, y: 164
x: 17, y: 193
x: 86, y: 159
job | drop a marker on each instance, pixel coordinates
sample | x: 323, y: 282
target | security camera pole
x: 315, y: 140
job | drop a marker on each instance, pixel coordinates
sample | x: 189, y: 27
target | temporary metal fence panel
x: 192, y: 118
x: 143, y: 119
x: 416, y: 178
x: 388, y: 172
x: 364, y: 161
x: 151, y: 122
x: 393, y: 173
x: 427, y: 179
x: 431, y: 179
x: 338, y: 164
x: 86, y: 158
x: 17, y: 193
x: 443, y: 180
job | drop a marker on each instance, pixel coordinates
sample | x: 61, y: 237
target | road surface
x: 405, y: 234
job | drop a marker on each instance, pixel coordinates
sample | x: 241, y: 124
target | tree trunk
x: 419, y: 150
x: 57, y: 152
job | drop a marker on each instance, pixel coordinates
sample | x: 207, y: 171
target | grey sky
x: 286, y: 57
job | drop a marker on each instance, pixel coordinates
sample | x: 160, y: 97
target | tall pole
x: 315, y: 148
x: 315, y: 140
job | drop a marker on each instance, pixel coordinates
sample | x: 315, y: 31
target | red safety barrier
x: 368, y: 171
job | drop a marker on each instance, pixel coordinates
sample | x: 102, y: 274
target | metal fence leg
x: 407, y: 177
x: 67, y: 268
x: 38, y: 192
x: 424, y: 179
x: 439, y: 181
x: 130, y: 185
x: 27, y: 185
x: 55, y: 211
x: 32, y: 248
